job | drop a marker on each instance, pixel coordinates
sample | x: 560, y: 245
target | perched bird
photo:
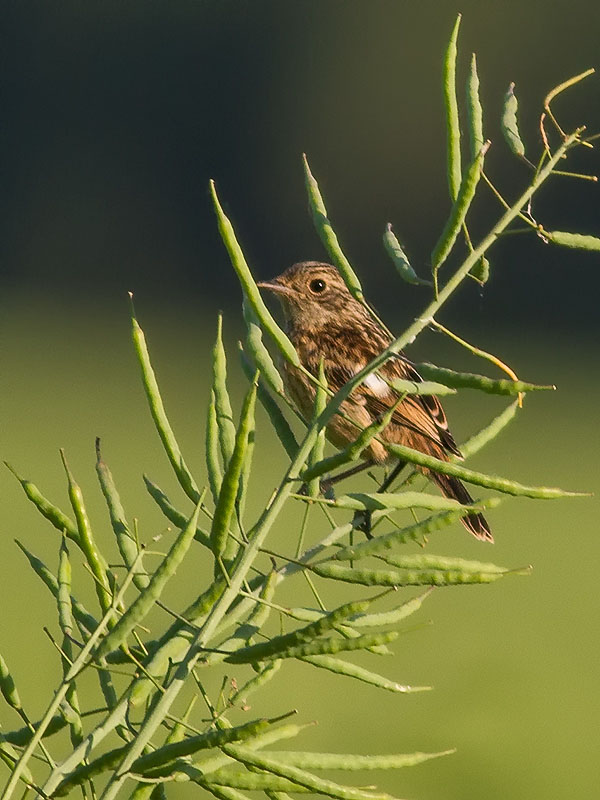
x: 324, y: 322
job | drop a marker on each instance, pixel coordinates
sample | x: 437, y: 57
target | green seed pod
x: 470, y: 380
x: 474, y: 110
x: 64, y: 590
x: 252, y: 781
x: 126, y: 541
x: 423, y: 388
x: 316, y: 785
x: 249, y: 286
x: 171, y: 513
x: 8, y: 688
x: 477, y: 441
x: 481, y: 270
x: 388, y: 577
x: 95, y: 561
x: 157, y: 409
x: 452, y: 119
x: 10, y: 756
x: 213, y: 465
x: 382, y: 544
x: 350, y: 670
x: 80, y: 613
x: 278, y: 421
x: 478, y: 478
x: 327, y: 234
x: 259, y: 353
x: 316, y: 454
x: 578, y: 241
x: 52, y: 513
x: 394, y: 249
x: 148, y: 597
x: 231, y: 480
x: 374, y: 501
x: 509, y: 124
x: 353, y: 762
x: 461, y: 206
x: 223, y: 408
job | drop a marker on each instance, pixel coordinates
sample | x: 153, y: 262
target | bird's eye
x: 317, y: 286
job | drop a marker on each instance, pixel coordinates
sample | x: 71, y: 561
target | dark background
x: 113, y: 117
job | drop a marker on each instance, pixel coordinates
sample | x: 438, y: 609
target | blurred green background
x: 114, y: 117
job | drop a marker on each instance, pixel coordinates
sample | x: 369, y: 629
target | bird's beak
x: 274, y: 286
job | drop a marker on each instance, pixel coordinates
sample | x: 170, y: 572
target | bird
x: 327, y: 325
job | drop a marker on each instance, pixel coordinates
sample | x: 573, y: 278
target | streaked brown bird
x: 325, y: 322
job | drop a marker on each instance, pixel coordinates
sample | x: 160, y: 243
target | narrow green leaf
x: 148, y: 597
x: 470, y: 380
x: 340, y: 667
x: 157, y: 409
x: 327, y: 234
x: 452, y: 119
x: 249, y: 286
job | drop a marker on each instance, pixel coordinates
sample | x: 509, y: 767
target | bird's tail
x: 475, y: 523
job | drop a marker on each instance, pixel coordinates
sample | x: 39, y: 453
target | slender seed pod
x: 382, y: 544
x: 394, y: 249
x: 481, y: 438
x: 95, y: 561
x: 578, y: 241
x: 225, y: 504
x: 316, y: 454
x: 8, y: 688
x: 249, y: 286
x: 318, y: 647
x: 474, y: 110
x: 273, y: 786
x: 422, y: 388
x: 280, y: 424
x: 64, y: 590
x: 327, y: 234
x: 213, y: 465
x: 316, y: 785
x: 478, y: 478
x: 350, y: 670
x: 425, y: 561
x: 10, y: 756
x: 452, y: 119
x: 80, y: 613
x: 416, y: 577
x: 171, y: 513
x: 353, y: 762
x: 126, y: 542
x: 470, y: 380
x: 258, y: 352
x: 509, y: 124
x: 148, y: 597
x: 374, y: 501
x: 159, y: 416
x: 481, y: 270
x: 461, y: 206
x: 223, y: 408
x: 52, y: 513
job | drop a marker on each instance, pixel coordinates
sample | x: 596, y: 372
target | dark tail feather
x: 474, y: 523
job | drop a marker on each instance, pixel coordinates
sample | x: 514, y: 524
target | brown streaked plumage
x: 324, y: 321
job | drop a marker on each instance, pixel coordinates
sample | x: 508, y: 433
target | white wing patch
x: 377, y: 385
